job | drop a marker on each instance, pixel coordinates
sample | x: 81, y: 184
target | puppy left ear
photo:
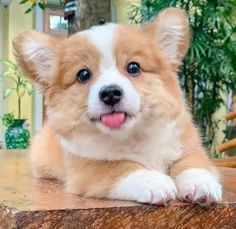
x: 171, y: 32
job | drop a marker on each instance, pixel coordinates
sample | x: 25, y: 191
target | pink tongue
x: 113, y: 120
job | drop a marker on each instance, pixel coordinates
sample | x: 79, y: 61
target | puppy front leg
x: 124, y: 180
x: 196, y: 179
x: 46, y: 155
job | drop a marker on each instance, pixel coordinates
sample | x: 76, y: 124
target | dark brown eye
x: 133, y: 68
x: 83, y: 75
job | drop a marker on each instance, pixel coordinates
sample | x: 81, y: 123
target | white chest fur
x: 155, y: 148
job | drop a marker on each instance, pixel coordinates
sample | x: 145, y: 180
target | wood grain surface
x: 26, y: 202
x: 226, y: 162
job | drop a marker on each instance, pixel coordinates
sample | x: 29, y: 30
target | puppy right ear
x: 37, y: 55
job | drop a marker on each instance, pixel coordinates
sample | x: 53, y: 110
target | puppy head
x: 110, y: 78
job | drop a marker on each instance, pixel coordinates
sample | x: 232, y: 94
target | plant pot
x: 17, y: 135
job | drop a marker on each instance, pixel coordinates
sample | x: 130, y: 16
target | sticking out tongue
x: 113, y: 120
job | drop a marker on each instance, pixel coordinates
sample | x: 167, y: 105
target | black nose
x: 110, y: 95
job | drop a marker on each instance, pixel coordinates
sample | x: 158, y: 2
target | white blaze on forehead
x: 103, y: 38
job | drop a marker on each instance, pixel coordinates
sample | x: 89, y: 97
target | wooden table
x: 226, y: 162
x: 26, y: 202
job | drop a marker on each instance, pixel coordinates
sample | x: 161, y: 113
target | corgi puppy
x: 118, y: 126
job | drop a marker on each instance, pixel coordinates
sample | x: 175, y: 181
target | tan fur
x: 157, y: 85
x: 46, y: 155
x: 170, y: 16
x: 97, y: 177
x: 58, y: 99
x: 194, y: 155
x: 155, y: 71
x: 82, y: 176
x: 27, y: 66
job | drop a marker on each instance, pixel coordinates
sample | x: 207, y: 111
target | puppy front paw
x: 198, y: 186
x: 145, y: 186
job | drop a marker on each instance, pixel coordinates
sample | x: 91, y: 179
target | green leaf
x: 7, y: 92
x: 9, y: 64
x: 8, y: 119
x: 21, y: 90
x: 41, y: 5
x: 28, y: 10
x: 7, y: 73
x: 23, y: 1
x: 31, y: 8
x: 29, y: 87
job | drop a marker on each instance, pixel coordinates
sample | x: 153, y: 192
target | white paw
x: 145, y: 186
x: 198, y: 185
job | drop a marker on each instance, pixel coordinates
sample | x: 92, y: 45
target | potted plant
x: 16, y: 135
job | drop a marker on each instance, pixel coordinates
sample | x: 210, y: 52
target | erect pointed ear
x: 171, y: 32
x: 37, y: 55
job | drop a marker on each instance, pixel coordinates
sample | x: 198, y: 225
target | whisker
x: 82, y: 117
x: 83, y: 105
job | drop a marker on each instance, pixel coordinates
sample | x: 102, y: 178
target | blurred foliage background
x: 208, y: 72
